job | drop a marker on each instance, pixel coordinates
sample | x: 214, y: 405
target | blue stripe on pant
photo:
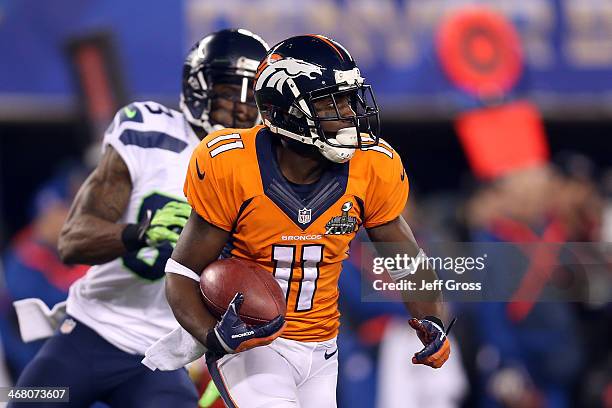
x: 95, y: 370
x: 215, y: 374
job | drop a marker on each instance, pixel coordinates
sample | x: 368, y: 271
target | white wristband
x: 174, y: 267
x: 411, y: 269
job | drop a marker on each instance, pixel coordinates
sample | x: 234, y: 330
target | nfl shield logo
x: 304, y: 215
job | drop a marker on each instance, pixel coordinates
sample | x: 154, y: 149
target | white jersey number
x: 284, y: 262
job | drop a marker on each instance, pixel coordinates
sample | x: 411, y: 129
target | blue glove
x: 430, y: 331
x: 232, y: 335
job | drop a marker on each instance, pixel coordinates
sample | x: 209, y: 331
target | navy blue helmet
x: 302, y: 70
x: 227, y: 56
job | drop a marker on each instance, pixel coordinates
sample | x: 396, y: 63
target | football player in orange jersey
x: 290, y: 195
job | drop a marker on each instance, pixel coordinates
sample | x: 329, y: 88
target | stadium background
x: 67, y: 65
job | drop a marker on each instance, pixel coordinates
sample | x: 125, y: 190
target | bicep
x: 397, y: 230
x: 200, y: 243
x: 106, y: 192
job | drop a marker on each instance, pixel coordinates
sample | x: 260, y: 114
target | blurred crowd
x: 31, y: 266
x: 505, y: 354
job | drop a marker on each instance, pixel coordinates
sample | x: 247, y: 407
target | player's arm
x: 215, y: 201
x: 427, y: 310
x: 91, y: 234
x: 199, y: 245
x: 392, y: 236
x: 397, y: 238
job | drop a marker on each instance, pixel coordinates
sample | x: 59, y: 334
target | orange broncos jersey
x: 235, y: 183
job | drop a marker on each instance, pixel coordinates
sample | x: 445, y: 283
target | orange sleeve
x: 388, y: 189
x: 208, y: 189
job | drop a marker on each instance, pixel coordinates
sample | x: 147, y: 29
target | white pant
x: 286, y: 373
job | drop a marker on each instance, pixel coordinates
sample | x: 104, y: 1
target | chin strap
x: 290, y: 135
x: 331, y: 153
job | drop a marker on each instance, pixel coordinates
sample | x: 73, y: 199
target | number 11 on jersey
x: 284, y: 264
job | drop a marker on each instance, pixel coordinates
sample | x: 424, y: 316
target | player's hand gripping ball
x: 247, y: 300
x: 430, y: 331
x: 232, y: 335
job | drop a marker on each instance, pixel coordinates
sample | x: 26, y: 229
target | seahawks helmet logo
x: 278, y: 72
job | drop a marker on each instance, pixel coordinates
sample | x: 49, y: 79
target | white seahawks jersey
x: 123, y: 300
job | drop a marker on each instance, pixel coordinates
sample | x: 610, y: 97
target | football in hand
x: 263, y: 298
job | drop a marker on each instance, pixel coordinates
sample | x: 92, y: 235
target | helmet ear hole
x: 273, y: 114
x: 296, y: 112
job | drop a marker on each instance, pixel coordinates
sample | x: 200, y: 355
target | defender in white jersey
x: 125, y: 221
x: 123, y: 300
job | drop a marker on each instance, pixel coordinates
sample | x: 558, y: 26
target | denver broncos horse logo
x: 274, y: 73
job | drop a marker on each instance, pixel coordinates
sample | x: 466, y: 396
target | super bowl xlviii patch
x: 342, y: 224
x: 68, y: 326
